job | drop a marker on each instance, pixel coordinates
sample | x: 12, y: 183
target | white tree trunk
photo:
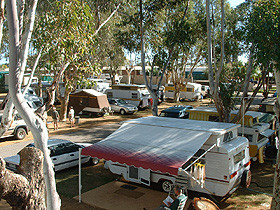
x: 36, y: 124
x: 209, y: 43
x: 7, y: 117
x: 32, y: 72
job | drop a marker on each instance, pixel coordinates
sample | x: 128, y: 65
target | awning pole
x: 200, y: 157
x: 80, y: 176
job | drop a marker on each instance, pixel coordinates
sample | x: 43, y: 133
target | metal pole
x: 243, y: 113
x: 80, y: 176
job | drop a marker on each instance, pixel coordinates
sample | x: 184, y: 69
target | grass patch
x: 67, y: 181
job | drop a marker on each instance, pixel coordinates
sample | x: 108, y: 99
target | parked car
x: 18, y: 129
x: 178, y: 111
x: 121, y: 106
x: 64, y: 154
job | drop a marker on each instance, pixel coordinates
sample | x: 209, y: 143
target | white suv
x: 18, y: 129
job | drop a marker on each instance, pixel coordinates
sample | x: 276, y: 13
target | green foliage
x: 65, y: 32
x: 263, y: 26
x: 231, y: 83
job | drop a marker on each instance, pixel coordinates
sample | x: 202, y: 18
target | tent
x: 88, y: 99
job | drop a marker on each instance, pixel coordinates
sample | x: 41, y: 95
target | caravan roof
x: 158, y: 144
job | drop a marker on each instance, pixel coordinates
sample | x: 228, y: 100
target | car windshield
x: 120, y: 101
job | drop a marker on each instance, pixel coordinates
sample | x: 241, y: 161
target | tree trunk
x: 64, y: 104
x: 35, y: 124
x: 2, y: 18
x: 27, y: 189
x: 176, y: 94
x: 275, y: 203
x: 51, y: 90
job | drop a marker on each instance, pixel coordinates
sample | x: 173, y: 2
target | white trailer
x: 201, y: 156
x: 138, y: 95
x: 191, y: 91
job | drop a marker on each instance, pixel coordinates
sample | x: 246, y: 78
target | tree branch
x: 106, y: 20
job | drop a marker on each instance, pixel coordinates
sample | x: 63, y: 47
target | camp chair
x: 182, y: 203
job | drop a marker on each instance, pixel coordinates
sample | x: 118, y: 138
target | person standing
x: 71, y: 115
x: 55, y: 117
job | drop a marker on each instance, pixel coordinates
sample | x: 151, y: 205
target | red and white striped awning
x: 153, y: 143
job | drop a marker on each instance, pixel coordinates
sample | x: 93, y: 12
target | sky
x: 234, y: 3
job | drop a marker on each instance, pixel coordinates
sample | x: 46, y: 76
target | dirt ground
x: 258, y: 196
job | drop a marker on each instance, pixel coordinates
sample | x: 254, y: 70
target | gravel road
x: 90, y: 135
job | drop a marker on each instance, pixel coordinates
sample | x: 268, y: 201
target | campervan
x: 138, y: 95
x: 256, y: 132
x: 202, y: 156
x: 107, y: 78
x: 191, y: 91
x: 99, y: 85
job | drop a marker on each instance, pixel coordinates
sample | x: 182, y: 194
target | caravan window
x: 190, y: 89
x: 124, y: 88
x: 238, y: 157
x: 134, y: 95
x: 261, y: 137
x: 110, y: 94
x: 255, y: 120
x: 214, y: 118
x: 228, y: 136
x: 133, y: 172
x: 248, y: 136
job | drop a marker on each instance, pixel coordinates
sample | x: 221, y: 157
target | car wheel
x: 20, y: 133
x: 166, y: 186
x: 93, y: 161
x: 122, y: 112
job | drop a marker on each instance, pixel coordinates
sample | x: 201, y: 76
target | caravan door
x: 139, y: 175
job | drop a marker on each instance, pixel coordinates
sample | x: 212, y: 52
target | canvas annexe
x: 201, y: 156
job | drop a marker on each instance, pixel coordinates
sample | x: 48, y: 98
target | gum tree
x: 66, y: 35
x: 18, y: 51
x: 264, y: 32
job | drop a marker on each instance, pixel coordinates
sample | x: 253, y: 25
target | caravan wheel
x: 166, y: 186
x: 246, y: 178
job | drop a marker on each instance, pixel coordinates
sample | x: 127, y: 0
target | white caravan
x: 258, y: 133
x: 201, y: 156
x: 138, y: 95
x: 191, y: 91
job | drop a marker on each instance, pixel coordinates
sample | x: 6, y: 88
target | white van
x: 138, y: 95
x: 191, y: 91
x: 202, y: 156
